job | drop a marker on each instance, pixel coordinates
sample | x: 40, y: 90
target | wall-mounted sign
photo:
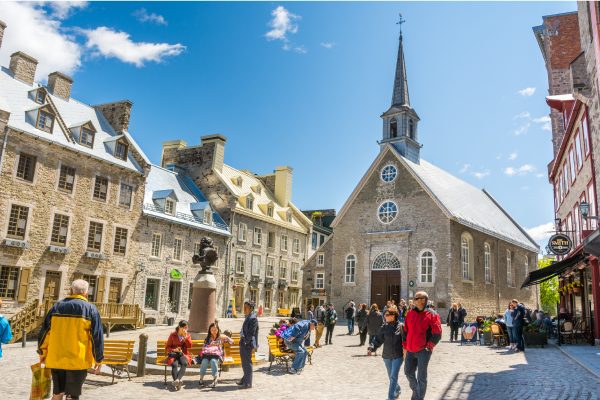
x: 176, y: 274
x: 560, y: 244
x: 411, y: 283
x: 239, y: 281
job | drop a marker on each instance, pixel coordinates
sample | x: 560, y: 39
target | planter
x: 576, y: 289
x: 487, y: 338
x: 570, y: 291
x: 535, y: 339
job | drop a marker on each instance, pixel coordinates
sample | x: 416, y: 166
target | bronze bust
x: 208, y: 255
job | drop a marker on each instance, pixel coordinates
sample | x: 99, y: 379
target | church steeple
x: 400, y: 121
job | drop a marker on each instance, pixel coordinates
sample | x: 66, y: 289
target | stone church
x: 410, y: 226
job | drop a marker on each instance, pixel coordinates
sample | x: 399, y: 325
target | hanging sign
x: 239, y: 281
x: 411, y: 283
x: 560, y: 244
x: 176, y: 274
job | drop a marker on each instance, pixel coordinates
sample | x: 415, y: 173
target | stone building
x: 270, y: 235
x: 314, y: 285
x: 175, y: 217
x: 72, y: 182
x: 410, y: 226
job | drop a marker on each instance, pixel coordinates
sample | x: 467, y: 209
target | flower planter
x: 576, y: 289
x: 487, y: 338
x: 570, y: 291
x: 535, y: 339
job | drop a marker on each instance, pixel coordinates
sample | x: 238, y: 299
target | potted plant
x: 487, y: 332
x: 534, y: 336
x: 577, y: 287
x: 569, y: 288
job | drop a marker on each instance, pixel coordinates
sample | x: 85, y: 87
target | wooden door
x: 114, y: 290
x: 385, y: 286
x: 239, y: 299
x: 51, y: 285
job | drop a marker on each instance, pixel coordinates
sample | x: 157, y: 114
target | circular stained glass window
x: 388, y: 174
x: 388, y: 212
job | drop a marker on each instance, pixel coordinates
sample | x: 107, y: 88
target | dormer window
x: 207, y: 220
x: 87, y: 137
x: 259, y: 190
x: 170, y: 207
x: 121, y: 150
x: 45, y: 121
x: 270, y: 211
x: 239, y: 182
x: 288, y: 217
x: 249, y: 202
x: 41, y: 96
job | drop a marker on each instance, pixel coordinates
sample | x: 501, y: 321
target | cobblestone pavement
x: 343, y: 371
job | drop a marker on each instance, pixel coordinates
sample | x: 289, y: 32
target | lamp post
x: 141, y: 268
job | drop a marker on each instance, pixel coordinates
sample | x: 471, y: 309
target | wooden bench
x: 284, y: 311
x: 230, y: 351
x: 117, y: 356
x: 279, y: 356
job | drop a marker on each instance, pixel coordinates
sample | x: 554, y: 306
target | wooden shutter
x: 24, y: 284
x: 101, y: 289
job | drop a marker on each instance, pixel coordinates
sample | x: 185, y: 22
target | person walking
x: 391, y: 336
x: 361, y: 315
x: 372, y: 323
x: 402, y: 310
x: 248, y: 342
x: 508, y: 319
x: 330, y: 321
x: 350, y: 318
x: 423, y: 331
x: 212, y: 353
x: 452, y: 321
x: 518, y: 315
x: 309, y: 316
x: 321, y: 317
x: 294, y: 337
x: 71, y: 341
x: 179, y: 357
x: 462, y: 313
x: 5, y: 332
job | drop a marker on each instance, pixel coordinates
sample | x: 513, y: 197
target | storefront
x: 591, y: 281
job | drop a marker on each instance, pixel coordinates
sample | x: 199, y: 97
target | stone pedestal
x: 202, y: 311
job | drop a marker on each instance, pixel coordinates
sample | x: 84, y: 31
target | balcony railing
x: 186, y: 217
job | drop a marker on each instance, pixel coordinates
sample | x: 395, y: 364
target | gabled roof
x: 69, y: 113
x: 458, y: 200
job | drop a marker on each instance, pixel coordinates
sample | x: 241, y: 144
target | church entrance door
x: 385, y: 286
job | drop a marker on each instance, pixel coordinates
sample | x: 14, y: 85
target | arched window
x: 386, y: 260
x: 388, y: 173
x: 387, y: 212
x: 426, y: 262
x: 488, y: 267
x: 466, y: 256
x: 350, y: 269
x: 508, y: 269
x: 411, y: 129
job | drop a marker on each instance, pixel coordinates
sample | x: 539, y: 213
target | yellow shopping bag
x: 41, y: 382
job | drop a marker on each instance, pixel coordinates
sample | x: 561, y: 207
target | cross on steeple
x: 400, y: 23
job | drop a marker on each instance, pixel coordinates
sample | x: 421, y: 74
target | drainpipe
x: 3, y: 148
x: 227, y: 262
x: 498, y: 276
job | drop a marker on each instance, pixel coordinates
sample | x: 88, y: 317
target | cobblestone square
x: 343, y: 371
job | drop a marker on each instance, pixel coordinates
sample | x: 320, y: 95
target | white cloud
x: 512, y: 156
x: 524, y: 170
x: 282, y: 23
x: 64, y: 9
x: 525, y: 188
x: 328, y: 45
x: 539, y: 175
x: 527, y: 92
x: 298, y: 49
x: 542, y: 232
x: 546, y: 121
x: 522, y: 129
x: 524, y: 114
x: 109, y: 43
x: 547, y: 126
x: 143, y: 16
x: 481, y: 175
x: 34, y: 31
x: 465, y: 168
x: 499, y: 155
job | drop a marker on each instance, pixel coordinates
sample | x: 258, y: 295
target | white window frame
x: 249, y: 203
x: 423, y: 257
x: 295, y: 268
x: 487, y: 263
x: 270, y: 211
x: 240, y: 262
x: 296, y: 246
x: 274, y: 239
x: 283, y: 270
x: 390, y: 213
x: 270, y: 270
x: 288, y: 217
x: 255, y: 265
x: 175, y: 249
x: 167, y: 203
x: 257, y: 235
x: 508, y: 268
x: 242, y: 232
x: 350, y: 269
x: 152, y: 248
x: 268, y: 299
x: 527, y: 270
x: 284, y: 242
x: 207, y: 217
x: 467, y: 257
x: 320, y: 259
x: 320, y: 279
x: 386, y: 171
x: 197, y: 248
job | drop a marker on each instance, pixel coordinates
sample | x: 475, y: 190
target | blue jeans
x: 300, y: 351
x: 214, y: 366
x: 519, y: 336
x: 351, y: 325
x: 417, y: 380
x: 393, y: 369
x: 371, y: 338
x: 512, y: 335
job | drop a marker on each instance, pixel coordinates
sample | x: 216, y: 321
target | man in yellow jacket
x: 71, y: 341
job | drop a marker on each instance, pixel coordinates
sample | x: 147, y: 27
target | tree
x: 549, y: 295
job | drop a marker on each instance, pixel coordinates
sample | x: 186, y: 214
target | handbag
x: 41, y: 382
x: 211, y: 352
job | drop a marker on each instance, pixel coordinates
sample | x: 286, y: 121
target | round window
x: 388, y: 174
x: 388, y: 212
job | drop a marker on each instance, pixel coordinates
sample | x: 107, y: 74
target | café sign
x: 560, y: 244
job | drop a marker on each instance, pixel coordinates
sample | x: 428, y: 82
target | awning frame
x: 542, y: 275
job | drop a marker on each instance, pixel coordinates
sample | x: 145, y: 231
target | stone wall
x: 44, y: 199
x: 311, y: 269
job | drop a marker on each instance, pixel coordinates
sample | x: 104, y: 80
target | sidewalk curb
x: 574, y: 359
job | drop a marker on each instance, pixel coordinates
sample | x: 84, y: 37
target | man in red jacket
x: 423, y: 331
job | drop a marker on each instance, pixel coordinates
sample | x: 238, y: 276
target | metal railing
x: 186, y: 217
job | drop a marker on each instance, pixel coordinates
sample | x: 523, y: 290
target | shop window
x: 151, y: 301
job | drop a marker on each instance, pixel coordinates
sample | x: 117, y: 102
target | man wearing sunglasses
x: 423, y: 330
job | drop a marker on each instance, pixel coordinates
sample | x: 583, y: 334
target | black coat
x: 390, y: 336
x: 461, y: 316
x: 373, y: 322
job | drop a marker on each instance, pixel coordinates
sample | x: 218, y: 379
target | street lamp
x: 584, y: 209
x: 141, y: 268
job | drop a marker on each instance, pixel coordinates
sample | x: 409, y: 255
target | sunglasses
x: 419, y: 298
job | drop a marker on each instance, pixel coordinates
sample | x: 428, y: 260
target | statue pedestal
x: 202, y: 311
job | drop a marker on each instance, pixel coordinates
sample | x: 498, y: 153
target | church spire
x: 400, y: 95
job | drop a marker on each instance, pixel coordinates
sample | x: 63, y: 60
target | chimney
x: 218, y: 151
x: 283, y: 185
x: 23, y: 67
x: 171, y: 145
x: 117, y: 114
x: 60, y: 84
x: 2, y: 28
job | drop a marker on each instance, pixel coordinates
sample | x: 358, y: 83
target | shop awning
x: 591, y: 244
x: 541, y: 275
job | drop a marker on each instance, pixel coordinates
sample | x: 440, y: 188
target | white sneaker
x: 292, y: 371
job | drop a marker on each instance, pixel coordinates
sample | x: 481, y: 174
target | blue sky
x: 304, y: 84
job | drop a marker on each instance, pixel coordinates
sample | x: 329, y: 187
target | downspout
x: 3, y: 148
x: 227, y: 262
x: 498, y: 275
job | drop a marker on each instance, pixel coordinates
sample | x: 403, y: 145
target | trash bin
x: 170, y: 321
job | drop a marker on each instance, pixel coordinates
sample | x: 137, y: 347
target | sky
x: 303, y: 84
